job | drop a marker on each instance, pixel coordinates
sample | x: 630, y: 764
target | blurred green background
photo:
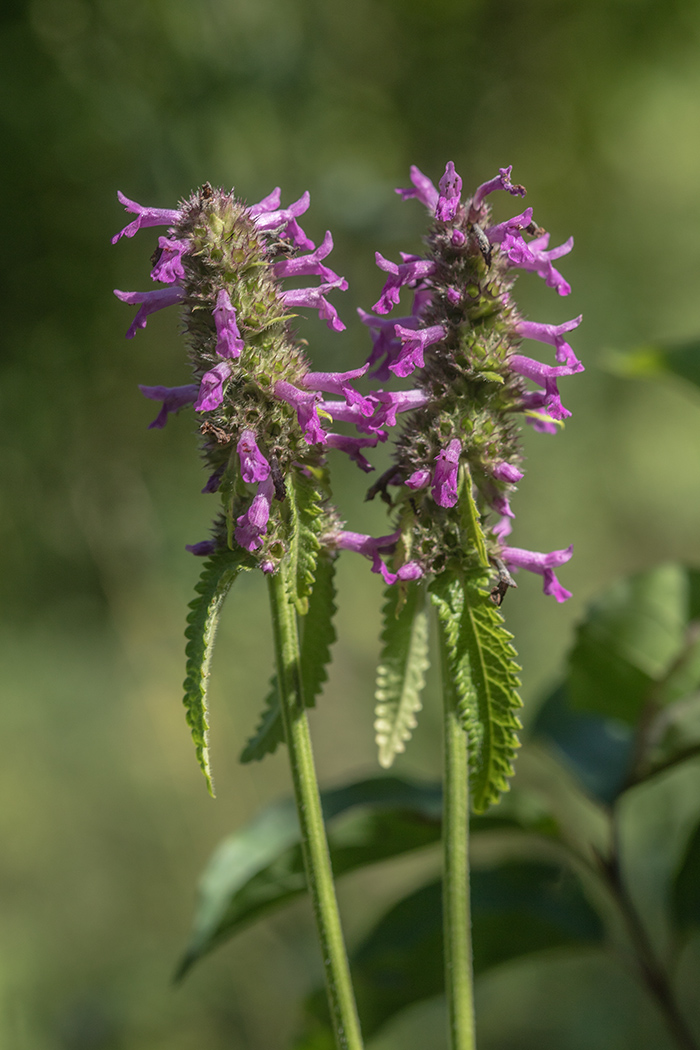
x: 105, y: 822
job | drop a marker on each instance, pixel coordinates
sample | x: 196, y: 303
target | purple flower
x: 507, y: 472
x: 214, y: 481
x: 545, y: 376
x: 412, y: 269
x: 544, y: 564
x: 353, y: 446
x: 444, y: 487
x: 284, y: 220
x: 211, y: 390
x: 413, y: 345
x: 339, y: 383
x: 450, y: 194
x: 267, y: 204
x: 254, y: 466
x: 306, y: 405
x: 502, y: 181
x: 496, y: 234
x: 145, y: 217
x: 228, y: 339
x: 424, y: 190
x: 169, y: 268
x: 554, y: 335
x: 418, y: 479
x: 373, y: 548
x: 386, y: 343
x: 203, y: 548
x: 532, y: 257
x: 389, y: 403
x: 150, y: 303
x: 314, y: 297
x: 173, y: 397
x: 252, y: 526
x: 310, y: 265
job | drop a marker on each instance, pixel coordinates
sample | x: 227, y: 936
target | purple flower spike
x: 418, y: 479
x: 202, y: 549
x: 413, y: 345
x: 145, y: 217
x: 544, y: 564
x: 554, y: 335
x: 424, y: 190
x: 169, y: 267
x: 310, y: 265
x: 150, y: 302
x: 306, y: 405
x: 254, y: 466
x: 507, y: 472
x: 285, y: 220
x: 339, y: 383
x: 353, y: 447
x: 450, y: 194
x: 373, y: 548
x: 412, y: 269
x: 444, y: 488
x: 314, y: 297
x: 228, y: 339
x: 501, y: 182
x: 252, y: 526
x: 211, y: 390
x: 173, y: 397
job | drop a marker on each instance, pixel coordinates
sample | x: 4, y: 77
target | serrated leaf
x: 260, y: 867
x: 518, y: 909
x: 401, y: 672
x: 305, y: 510
x: 202, y: 622
x: 485, y: 676
x: 318, y: 635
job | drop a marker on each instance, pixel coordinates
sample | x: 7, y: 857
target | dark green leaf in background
x: 659, y: 360
x: 685, y: 894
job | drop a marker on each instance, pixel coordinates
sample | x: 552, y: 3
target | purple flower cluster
x: 461, y: 343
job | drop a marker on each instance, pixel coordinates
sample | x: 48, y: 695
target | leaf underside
x: 401, y: 672
x: 214, y: 584
x: 318, y: 635
x: 485, y: 677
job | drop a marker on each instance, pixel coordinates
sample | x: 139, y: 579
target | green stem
x: 317, y: 864
x: 459, y: 981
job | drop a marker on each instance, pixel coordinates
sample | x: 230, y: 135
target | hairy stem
x: 317, y: 864
x: 459, y: 981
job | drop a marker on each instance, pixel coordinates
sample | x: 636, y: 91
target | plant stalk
x: 317, y: 864
x: 459, y: 980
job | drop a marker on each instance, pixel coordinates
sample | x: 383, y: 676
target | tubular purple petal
x: 311, y: 265
x: 169, y: 267
x: 229, y: 343
x: 306, y: 405
x: 444, y: 486
x: 267, y: 204
x: 407, y: 273
x: 424, y: 190
x: 507, y: 472
x: 413, y: 346
x: 202, y: 549
x: 211, y: 390
x: 144, y: 217
x: 173, y: 398
x: 150, y: 302
x: 554, y: 335
x: 254, y: 466
x: 353, y: 446
x: 418, y: 479
x: 502, y: 181
x: 284, y: 220
x: 339, y: 383
x: 543, y: 564
x: 252, y: 526
x: 450, y: 194
x: 315, y: 298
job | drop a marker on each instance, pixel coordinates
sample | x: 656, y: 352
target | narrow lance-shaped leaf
x: 202, y: 623
x: 485, y: 675
x: 401, y: 672
x: 318, y: 635
x: 304, y: 497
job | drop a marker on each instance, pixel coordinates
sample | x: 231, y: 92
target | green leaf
x: 685, y: 894
x: 317, y: 637
x: 517, y: 909
x: 305, y: 507
x: 485, y: 676
x: 202, y: 622
x: 260, y: 867
x: 401, y: 672
x: 659, y: 360
x: 637, y: 645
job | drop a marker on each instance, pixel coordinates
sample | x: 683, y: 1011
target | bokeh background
x: 105, y: 822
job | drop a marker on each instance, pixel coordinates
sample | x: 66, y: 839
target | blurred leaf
x: 202, y: 622
x: 660, y: 360
x: 598, y: 750
x: 401, y: 671
x: 317, y: 637
x: 671, y: 738
x: 634, y: 645
x: 685, y: 893
x: 261, y: 867
x: 517, y: 909
x: 485, y: 675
